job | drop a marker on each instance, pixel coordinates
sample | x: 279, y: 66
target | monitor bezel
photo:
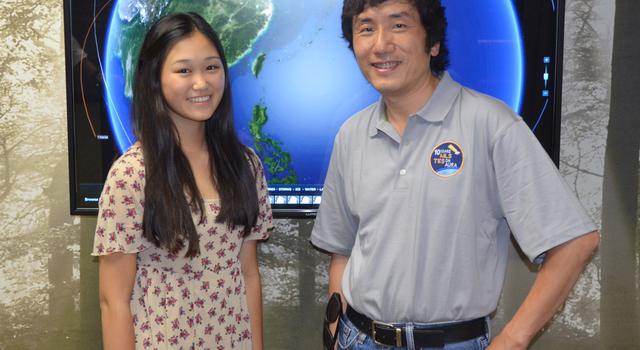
x: 551, y: 143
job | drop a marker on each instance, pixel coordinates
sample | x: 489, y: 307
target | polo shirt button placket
x: 402, y: 179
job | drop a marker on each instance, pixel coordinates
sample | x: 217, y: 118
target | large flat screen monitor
x: 294, y: 80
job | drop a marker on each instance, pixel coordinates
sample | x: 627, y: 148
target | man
x: 422, y: 191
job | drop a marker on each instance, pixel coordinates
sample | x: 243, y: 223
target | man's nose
x: 383, y: 41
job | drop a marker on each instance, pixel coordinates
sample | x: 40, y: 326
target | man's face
x: 389, y: 43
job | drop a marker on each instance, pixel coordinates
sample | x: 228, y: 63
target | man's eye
x: 365, y: 30
x: 400, y: 26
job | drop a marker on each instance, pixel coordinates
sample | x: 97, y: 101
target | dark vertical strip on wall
x: 310, y: 324
x: 90, y: 324
x: 619, y: 315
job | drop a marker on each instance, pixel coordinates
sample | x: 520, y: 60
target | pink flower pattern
x: 178, y: 302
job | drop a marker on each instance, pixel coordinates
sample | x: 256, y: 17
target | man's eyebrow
x: 395, y: 15
x: 401, y: 14
x: 360, y: 20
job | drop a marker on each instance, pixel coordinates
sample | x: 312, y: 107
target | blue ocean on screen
x: 297, y: 82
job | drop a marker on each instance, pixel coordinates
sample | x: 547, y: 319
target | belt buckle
x: 390, y: 326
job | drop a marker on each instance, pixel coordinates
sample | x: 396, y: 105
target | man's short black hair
x: 432, y: 18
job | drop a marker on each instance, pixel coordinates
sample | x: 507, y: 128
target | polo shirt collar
x: 434, y: 110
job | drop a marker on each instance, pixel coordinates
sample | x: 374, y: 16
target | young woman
x: 182, y: 209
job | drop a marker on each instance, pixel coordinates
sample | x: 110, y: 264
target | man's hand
x: 336, y: 270
x: 504, y: 342
x: 555, y: 280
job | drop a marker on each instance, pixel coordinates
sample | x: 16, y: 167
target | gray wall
x: 48, y: 281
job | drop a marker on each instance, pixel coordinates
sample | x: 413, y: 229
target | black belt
x: 437, y: 336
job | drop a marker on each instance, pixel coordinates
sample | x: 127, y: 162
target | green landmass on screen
x: 256, y: 68
x: 130, y: 42
x: 237, y: 23
x: 275, y: 159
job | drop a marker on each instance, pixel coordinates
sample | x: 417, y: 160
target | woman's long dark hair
x: 168, y: 220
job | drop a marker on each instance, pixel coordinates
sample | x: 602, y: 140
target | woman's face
x: 192, y: 80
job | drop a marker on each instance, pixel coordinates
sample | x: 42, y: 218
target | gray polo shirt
x: 425, y: 218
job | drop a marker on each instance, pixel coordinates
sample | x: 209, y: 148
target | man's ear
x: 435, y: 49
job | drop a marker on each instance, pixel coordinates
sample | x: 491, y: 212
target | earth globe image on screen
x: 294, y: 80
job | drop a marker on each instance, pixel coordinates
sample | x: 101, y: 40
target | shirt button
x: 403, y: 172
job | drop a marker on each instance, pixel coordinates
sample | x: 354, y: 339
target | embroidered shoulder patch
x: 447, y: 159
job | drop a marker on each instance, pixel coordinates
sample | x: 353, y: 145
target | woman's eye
x: 212, y: 67
x: 183, y: 70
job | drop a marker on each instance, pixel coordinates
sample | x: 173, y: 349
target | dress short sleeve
x: 265, y: 217
x: 121, y: 205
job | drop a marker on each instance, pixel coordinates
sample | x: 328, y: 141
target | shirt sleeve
x: 540, y: 208
x: 119, y: 225
x: 264, y: 223
x: 335, y: 227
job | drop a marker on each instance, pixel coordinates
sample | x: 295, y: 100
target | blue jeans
x: 350, y: 337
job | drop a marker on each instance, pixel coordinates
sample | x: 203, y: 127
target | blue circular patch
x: 446, y: 159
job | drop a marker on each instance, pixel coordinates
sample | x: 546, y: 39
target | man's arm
x: 336, y: 270
x: 560, y: 270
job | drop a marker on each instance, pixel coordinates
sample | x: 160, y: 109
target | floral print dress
x: 179, y: 302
